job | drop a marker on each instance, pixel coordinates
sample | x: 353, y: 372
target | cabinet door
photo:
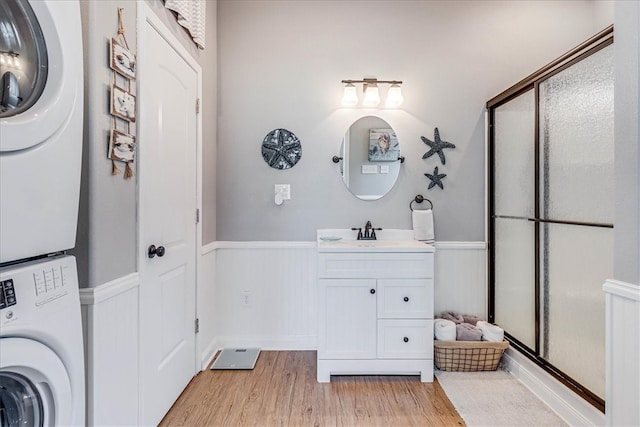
x: 347, y: 319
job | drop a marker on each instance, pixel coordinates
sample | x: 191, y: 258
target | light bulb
x: 394, y: 96
x: 371, y: 96
x: 350, y: 96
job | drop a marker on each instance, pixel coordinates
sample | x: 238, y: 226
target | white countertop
x: 388, y: 240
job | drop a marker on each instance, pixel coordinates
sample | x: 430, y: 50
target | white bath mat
x: 236, y: 358
x: 495, y: 398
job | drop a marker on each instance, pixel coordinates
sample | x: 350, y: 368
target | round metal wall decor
x: 281, y: 149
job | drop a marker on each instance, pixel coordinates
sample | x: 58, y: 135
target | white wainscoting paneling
x: 110, y: 324
x: 622, y: 353
x: 461, y: 278
x: 205, y: 306
x: 278, y: 282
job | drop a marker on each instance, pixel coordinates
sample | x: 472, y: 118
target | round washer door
x: 34, y: 385
x: 40, y: 70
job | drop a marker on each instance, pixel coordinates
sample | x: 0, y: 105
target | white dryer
x: 41, y: 350
x: 41, y: 109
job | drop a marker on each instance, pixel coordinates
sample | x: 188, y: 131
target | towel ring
x: 419, y: 199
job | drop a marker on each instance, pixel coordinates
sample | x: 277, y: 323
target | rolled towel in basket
x: 444, y: 330
x: 468, y: 332
x: 470, y: 318
x: 450, y: 315
x: 490, y: 332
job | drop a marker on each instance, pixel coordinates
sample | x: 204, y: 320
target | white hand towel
x: 423, y: 225
x: 490, y: 332
x: 444, y: 330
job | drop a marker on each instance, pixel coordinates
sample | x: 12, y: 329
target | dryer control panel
x: 37, y: 288
x: 7, y: 294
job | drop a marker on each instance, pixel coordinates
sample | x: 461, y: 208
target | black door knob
x: 153, y: 251
x: 405, y: 339
x: 373, y: 291
x: 406, y: 299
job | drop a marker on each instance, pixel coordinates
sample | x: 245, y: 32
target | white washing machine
x: 41, y: 348
x: 41, y: 113
x: 41, y: 108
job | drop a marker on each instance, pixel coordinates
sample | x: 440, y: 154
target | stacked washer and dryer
x: 41, y: 111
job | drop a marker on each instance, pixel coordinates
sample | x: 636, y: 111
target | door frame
x: 145, y: 14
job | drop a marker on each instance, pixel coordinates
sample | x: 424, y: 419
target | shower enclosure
x: 551, y: 189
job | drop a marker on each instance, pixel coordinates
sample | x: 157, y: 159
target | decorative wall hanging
x: 123, y: 104
x: 122, y: 143
x: 281, y: 149
x: 121, y: 60
x: 436, y: 146
x: 436, y: 179
x: 383, y: 145
x: 122, y: 146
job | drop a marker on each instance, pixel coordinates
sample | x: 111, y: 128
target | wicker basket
x: 468, y: 356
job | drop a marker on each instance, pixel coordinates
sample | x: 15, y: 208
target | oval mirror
x: 370, y: 154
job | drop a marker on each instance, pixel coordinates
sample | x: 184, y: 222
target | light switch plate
x: 369, y: 169
x: 284, y: 190
x: 384, y: 168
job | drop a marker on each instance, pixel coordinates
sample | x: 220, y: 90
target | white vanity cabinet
x: 375, y: 310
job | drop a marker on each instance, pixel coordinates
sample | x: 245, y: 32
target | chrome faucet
x: 369, y: 232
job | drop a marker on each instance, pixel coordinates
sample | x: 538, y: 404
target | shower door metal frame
x: 589, y: 47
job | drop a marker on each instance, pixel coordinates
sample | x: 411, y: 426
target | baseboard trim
x: 274, y: 343
x: 206, y: 357
x: 92, y: 296
x: 570, y: 407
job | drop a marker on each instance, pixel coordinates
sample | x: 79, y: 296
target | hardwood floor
x: 282, y: 391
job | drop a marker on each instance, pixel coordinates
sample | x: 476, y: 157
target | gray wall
x: 627, y: 141
x: 106, y: 243
x: 281, y: 63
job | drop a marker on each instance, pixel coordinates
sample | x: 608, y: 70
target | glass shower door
x: 551, y: 205
x: 576, y: 207
x: 514, y: 256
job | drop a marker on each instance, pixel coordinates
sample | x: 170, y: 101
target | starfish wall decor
x: 436, y: 179
x: 281, y: 149
x: 436, y: 146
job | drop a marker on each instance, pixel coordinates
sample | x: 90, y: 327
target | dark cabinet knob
x: 406, y: 299
x: 373, y: 291
x: 405, y: 339
x: 153, y: 251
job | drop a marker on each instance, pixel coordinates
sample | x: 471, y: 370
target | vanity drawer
x: 379, y: 265
x: 405, y: 298
x: 405, y: 339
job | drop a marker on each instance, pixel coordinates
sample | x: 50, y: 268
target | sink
x: 389, y: 240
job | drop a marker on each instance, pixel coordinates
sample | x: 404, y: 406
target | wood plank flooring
x: 282, y: 391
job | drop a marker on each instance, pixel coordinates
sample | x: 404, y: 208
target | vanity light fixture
x: 394, y: 96
x: 350, y: 95
x: 372, y: 93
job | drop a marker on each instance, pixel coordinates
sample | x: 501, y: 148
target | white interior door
x: 168, y: 86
